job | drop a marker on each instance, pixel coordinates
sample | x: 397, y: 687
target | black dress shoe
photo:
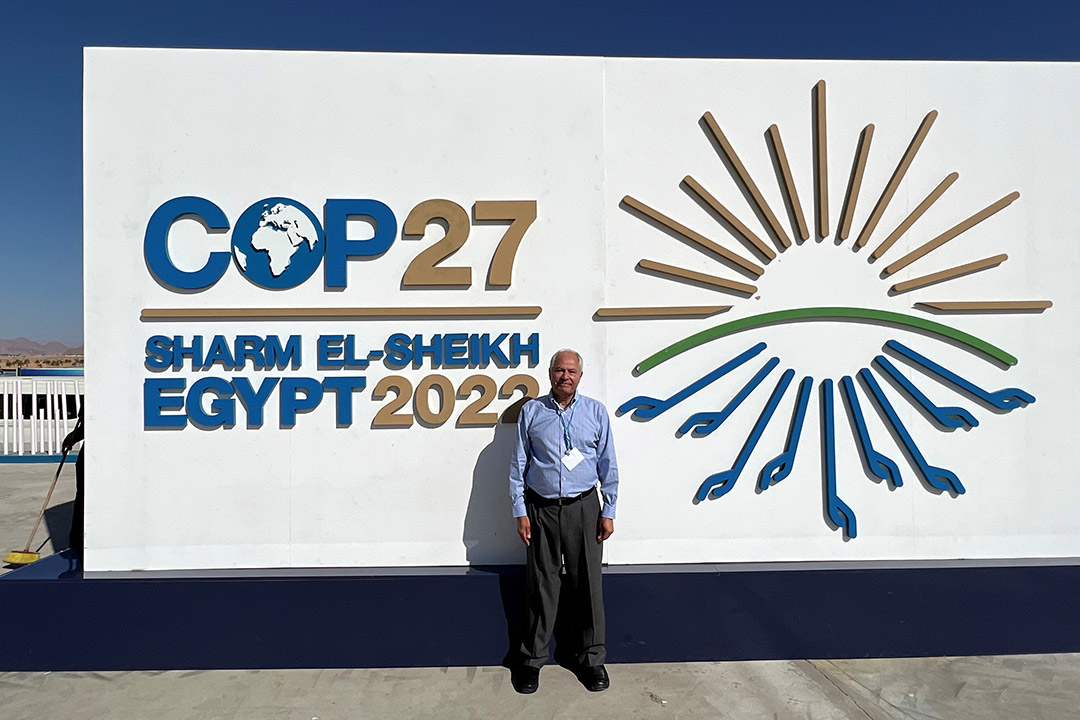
x: 595, y: 678
x: 526, y: 679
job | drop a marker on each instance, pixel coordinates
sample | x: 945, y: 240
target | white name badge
x: 571, y: 459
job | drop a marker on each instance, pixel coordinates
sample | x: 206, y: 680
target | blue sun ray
x: 879, y: 465
x: 646, y: 408
x: 704, y: 423
x: 949, y: 416
x: 838, y: 511
x: 1006, y: 399
x: 936, y: 477
x: 718, y: 484
x: 781, y: 466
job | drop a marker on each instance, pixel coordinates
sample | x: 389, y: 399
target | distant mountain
x: 27, y: 347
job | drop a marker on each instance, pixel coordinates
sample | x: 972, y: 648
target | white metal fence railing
x: 37, y: 412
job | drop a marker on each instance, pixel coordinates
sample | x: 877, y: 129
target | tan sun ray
x: 684, y: 274
x: 788, y: 186
x: 897, y: 176
x: 856, y: 181
x: 744, y: 233
x: 821, y: 169
x: 917, y: 213
x: 951, y: 233
x: 987, y: 306
x: 949, y: 274
x: 747, y: 181
x: 694, y: 237
x: 689, y: 311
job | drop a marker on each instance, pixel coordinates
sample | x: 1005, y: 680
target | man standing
x: 564, y: 448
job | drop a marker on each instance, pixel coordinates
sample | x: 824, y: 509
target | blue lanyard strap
x: 566, y: 423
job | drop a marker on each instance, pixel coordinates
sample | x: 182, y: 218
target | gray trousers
x: 563, y: 532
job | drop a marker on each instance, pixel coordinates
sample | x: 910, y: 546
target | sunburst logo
x: 859, y: 391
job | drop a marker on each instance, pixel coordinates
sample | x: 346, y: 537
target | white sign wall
x: 364, y: 134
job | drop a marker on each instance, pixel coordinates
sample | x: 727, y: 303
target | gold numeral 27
x: 425, y: 271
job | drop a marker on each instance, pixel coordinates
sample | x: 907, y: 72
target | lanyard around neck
x: 563, y: 413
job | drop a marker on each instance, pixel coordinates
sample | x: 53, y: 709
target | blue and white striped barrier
x: 38, y: 408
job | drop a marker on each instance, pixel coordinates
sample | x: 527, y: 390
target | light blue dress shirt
x: 543, y: 429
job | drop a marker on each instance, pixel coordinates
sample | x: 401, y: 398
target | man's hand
x: 604, y: 528
x: 524, y: 529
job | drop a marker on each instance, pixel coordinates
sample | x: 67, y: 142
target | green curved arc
x: 825, y: 313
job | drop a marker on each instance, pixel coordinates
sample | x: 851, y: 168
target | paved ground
x: 1031, y: 687
x: 1013, y: 688
x: 23, y: 488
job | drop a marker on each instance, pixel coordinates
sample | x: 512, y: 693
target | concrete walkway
x: 23, y: 488
x: 1031, y: 687
x: 1042, y: 687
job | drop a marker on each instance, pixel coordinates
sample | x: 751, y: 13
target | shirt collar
x: 560, y: 408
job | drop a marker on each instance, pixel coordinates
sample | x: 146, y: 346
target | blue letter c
x: 156, y: 243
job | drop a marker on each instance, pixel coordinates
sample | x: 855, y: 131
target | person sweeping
x: 75, y: 540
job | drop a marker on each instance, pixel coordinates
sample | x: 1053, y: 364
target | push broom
x: 25, y: 556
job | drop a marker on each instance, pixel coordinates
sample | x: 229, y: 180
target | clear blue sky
x: 41, y: 77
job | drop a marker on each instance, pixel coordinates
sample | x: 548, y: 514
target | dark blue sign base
x: 54, y: 619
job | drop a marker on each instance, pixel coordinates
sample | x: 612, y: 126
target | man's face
x: 565, y: 375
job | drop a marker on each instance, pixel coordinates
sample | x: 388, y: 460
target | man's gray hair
x: 575, y: 353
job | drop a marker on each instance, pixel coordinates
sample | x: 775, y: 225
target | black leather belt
x: 540, y: 501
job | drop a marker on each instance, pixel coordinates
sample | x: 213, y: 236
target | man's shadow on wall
x: 490, y: 534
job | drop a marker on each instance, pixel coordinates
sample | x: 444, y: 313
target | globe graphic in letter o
x: 278, y: 243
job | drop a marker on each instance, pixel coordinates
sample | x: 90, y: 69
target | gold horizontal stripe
x: 523, y: 311
x: 674, y: 311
